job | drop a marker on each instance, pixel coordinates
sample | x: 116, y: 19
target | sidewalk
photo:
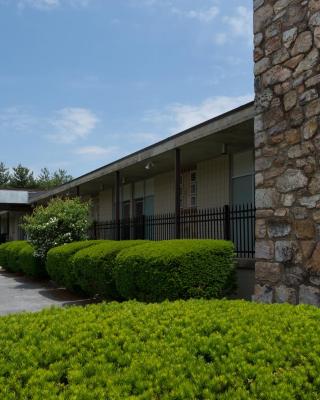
x: 19, y: 293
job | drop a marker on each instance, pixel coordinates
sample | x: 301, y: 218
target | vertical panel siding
x: 139, y: 190
x: 213, y: 182
x: 164, y: 191
x: 105, y: 205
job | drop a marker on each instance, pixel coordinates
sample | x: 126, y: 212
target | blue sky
x: 84, y: 82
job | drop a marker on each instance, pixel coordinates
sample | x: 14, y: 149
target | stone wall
x: 287, y: 143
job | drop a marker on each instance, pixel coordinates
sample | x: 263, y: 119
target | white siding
x: 127, y: 192
x: 164, y: 192
x: 139, y: 190
x: 105, y: 205
x: 149, y: 187
x: 213, y: 182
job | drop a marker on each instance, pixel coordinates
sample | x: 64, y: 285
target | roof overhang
x: 234, y: 128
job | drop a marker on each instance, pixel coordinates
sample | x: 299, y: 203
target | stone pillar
x: 287, y: 150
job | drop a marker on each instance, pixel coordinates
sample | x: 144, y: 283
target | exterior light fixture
x: 224, y: 149
x: 149, y: 165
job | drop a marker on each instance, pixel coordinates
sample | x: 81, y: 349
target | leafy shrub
x: 93, y: 268
x: 13, y: 250
x: 59, y: 262
x: 61, y: 221
x: 30, y: 264
x: 176, y: 269
x: 199, y: 349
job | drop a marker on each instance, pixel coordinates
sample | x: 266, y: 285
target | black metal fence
x: 236, y: 223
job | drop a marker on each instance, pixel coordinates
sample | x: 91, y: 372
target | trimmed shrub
x: 4, y: 254
x: 176, y: 269
x: 30, y: 264
x: 19, y: 256
x: 13, y: 250
x: 198, y: 349
x: 93, y: 267
x: 59, y: 264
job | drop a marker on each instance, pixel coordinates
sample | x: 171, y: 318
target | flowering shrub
x: 61, y: 221
x: 199, y: 349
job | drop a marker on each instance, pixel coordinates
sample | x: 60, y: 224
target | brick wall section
x: 287, y: 145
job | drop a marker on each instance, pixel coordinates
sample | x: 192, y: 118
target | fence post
x: 117, y: 205
x: 95, y: 230
x: 177, y: 193
x: 226, y: 219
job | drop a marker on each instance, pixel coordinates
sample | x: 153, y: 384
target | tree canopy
x: 23, y: 177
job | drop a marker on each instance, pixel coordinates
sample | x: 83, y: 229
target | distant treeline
x: 23, y: 177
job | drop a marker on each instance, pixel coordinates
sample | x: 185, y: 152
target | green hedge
x: 59, y: 262
x: 18, y: 256
x: 11, y: 255
x: 30, y: 264
x: 176, y: 269
x: 93, y: 268
x: 4, y: 255
x: 199, y: 349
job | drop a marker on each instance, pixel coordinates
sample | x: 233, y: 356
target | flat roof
x: 200, y: 131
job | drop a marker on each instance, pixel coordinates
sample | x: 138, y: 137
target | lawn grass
x: 196, y: 349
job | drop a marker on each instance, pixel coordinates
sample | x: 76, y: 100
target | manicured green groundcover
x: 196, y: 349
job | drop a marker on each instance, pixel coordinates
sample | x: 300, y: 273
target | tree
x: 22, y: 177
x: 47, y: 180
x: 60, y: 177
x: 61, y: 221
x: 4, y: 175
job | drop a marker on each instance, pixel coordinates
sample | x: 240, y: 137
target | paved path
x: 19, y: 293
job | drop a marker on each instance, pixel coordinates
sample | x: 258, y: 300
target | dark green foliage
x: 4, y: 175
x: 22, y: 177
x: 4, y: 254
x: 93, y: 268
x: 176, y: 269
x: 13, y: 251
x: 59, y: 262
x: 19, y: 256
x: 30, y: 264
x: 198, y: 349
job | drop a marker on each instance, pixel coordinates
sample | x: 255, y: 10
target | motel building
x: 251, y: 175
x: 198, y: 183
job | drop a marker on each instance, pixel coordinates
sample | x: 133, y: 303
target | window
x: 188, y: 187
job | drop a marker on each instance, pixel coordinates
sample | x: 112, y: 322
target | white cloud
x: 200, y: 15
x: 179, y: 117
x: 241, y: 22
x: 46, y: 5
x: 71, y: 124
x: 16, y: 119
x: 238, y: 25
x: 94, y: 151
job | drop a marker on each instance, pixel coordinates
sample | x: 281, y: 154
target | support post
x: 177, y: 193
x: 117, y: 205
x: 78, y: 191
x: 226, y: 219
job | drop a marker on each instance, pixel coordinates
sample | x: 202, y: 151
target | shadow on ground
x: 20, y: 293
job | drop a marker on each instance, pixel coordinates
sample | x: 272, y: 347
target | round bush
x: 59, y: 265
x: 13, y: 250
x: 176, y: 269
x: 30, y: 264
x: 4, y: 254
x: 93, y: 268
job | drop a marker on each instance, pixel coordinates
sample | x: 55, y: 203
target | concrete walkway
x: 19, y: 293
